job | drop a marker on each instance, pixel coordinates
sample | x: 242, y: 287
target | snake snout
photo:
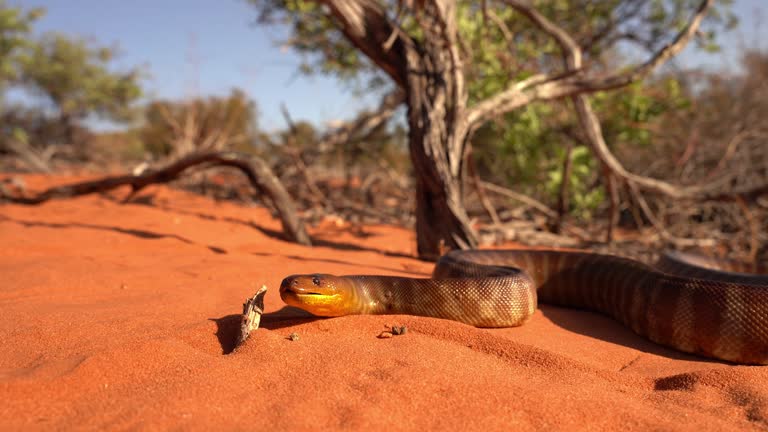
x: 291, y: 284
x: 303, y: 285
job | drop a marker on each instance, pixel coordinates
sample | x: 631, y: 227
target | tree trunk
x: 437, y: 138
x: 442, y: 222
x: 430, y: 71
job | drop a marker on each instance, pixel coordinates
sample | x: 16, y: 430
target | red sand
x: 119, y: 316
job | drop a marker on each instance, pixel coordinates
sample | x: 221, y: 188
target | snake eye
x: 316, y: 280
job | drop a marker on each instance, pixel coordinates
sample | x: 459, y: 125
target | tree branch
x: 550, y: 88
x: 525, y: 199
x: 368, y: 121
x: 657, y: 224
x: 365, y: 24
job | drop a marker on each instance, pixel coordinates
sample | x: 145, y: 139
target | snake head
x: 319, y: 294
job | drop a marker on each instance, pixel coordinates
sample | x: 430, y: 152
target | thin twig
x: 520, y: 197
x: 562, y: 196
x: 663, y: 233
x: 477, y: 183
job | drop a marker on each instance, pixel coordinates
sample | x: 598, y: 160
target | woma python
x: 677, y: 303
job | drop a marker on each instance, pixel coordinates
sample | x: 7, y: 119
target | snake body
x: 678, y: 303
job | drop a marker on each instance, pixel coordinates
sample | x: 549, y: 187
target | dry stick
x: 367, y: 121
x: 257, y: 171
x: 366, y: 187
x: 537, y: 205
x: 613, y: 199
x: 562, y: 198
x: 762, y: 202
x: 368, y: 190
x: 347, y: 131
x: 753, y: 229
x: 318, y: 197
x: 378, y: 214
x: 520, y: 197
x: 298, y: 160
x: 484, y: 201
x: 690, y: 149
x: 663, y: 233
x: 638, y: 218
x: 730, y: 150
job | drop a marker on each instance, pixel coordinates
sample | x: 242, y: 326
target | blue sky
x: 201, y: 47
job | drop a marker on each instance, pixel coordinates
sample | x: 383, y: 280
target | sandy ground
x: 120, y: 316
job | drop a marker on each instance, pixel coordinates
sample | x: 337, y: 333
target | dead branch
x: 477, y: 183
x: 613, y: 211
x: 663, y: 233
x: 753, y: 229
x: 525, y: 199
x: 364, y: 122
x: 295, y: 152
x: 562, y: 198
x: 258, y: 172
x: 730, y: 150
x: 365, y: 24
x: 505, y: 31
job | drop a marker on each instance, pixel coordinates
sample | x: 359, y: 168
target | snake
x: 694, y: 304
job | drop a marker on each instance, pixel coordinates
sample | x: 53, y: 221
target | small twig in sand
x: 393, y: 331
x: 252, y: 310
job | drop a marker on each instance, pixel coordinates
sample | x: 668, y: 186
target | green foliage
x: 211, y: 122
x: 629, y: 113
x: 15, y: 26
x: 526, y: 148
x: 584, y: 197
x: 74, y: 75
x: 71, y: 77
x: 503, y: 148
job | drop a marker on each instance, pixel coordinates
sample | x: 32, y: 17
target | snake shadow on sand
x: 579, y: 321
x: 604, y: 328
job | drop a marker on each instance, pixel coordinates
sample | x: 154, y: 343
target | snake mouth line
x: 301, y: 293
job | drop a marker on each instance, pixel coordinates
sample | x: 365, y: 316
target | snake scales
x: 678, y: 303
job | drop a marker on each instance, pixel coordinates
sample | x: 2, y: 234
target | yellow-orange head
x: 319, y: 294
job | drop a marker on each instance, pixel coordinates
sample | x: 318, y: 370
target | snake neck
x: 377, y: 295
x: 494, y: 301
